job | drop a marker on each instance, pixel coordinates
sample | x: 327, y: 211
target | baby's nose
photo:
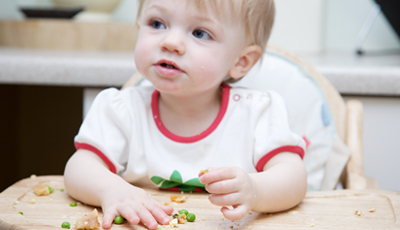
x: 174, y: 42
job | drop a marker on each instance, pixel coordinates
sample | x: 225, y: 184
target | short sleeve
x: 272, y: 132
x: 105, y: 130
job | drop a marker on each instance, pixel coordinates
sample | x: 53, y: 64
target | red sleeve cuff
x: 288, y: 148
x: 98, y: 152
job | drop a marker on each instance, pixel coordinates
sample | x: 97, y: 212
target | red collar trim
x: 156, y: 115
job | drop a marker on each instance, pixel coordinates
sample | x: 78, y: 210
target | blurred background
x: 46, y: 87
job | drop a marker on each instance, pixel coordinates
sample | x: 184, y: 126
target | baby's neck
x: 189, y: 116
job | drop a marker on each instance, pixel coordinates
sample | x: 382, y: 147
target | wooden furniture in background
x: 68, y: 35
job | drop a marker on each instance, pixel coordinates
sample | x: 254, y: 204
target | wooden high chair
x: 348, y: 118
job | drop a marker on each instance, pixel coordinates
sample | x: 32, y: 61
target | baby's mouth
x: 167, y: 66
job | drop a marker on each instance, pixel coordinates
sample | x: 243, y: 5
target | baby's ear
x: 247, y: 59
x: 138, y: 23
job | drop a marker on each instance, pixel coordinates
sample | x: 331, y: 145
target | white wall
x: 302, y: 26
x: 344, y: 19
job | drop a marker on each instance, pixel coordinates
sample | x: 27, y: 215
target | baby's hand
x: 135, y: 205
x: 230, y: 186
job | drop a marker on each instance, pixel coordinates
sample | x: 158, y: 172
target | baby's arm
x: 88, y: 179
x: 282, y: 185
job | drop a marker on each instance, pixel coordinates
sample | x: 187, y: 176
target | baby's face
x: 184, y: 51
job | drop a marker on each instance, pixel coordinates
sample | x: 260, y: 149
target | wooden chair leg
x: 355, y: 170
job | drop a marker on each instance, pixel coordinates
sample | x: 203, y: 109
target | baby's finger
x: 225, y: 200
x: 217, y: 175
x: 223, y: 187
x: 147, y: 218
x: 130, y: 215
x: 235, y: 214
x: 167, y: 209
x: 108, y: 218
x: 157, y: 212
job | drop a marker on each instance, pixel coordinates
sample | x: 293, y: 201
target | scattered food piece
x: 204, y: 171
x: 312, y: 225
x: 182, y: 218
x: 88, y: 221
x: 190, y: 217
x: 178, y: 199
x: 250, y: 213
x: 173, y: 223
x: 183, y: 211
x: 51, y: 200
x: 73, y: 204
x: 32, y: 201
x: 62, y: 190
x: 166, y: 203
x: 41, y: 190
x: 358, y: 213
x: 158, y: 227
x: 21, y: 213
x: 66, y: 225
x: 372, y: 210
x: 51, y: 190
x: 294, y: 212
x: 119, y: 220
x: 33, y: 176
x: 16, y: 202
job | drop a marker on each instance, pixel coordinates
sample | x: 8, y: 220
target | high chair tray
x: 345, y: 209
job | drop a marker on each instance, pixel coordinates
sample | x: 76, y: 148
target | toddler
x: 190, y: 119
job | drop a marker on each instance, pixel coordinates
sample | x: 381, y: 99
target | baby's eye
x: 201, y: 34
x: 157, y: 25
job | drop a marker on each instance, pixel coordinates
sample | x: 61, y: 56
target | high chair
x: 331, y: 127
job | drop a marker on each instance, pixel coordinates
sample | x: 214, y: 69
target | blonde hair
x: 257, y: 15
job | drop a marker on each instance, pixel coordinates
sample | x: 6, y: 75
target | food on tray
x: 50, y: 188
x: 119, y: 220
x: 190, y: 217
x: 41, y: 190
x: 66, y: 225
x: 73, y: 204
x: 88, y: 221
x: 182, y: 218
x: 178, y: 199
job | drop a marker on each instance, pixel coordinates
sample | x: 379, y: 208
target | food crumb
x: 173, y: 223
x: 32, y: 201
x: 372, y: 210
x: 312, y: 225
x: 33, y: 176
x: 51, y: 200
x: 358, y: 213
x: 178, y: 199
x: 16, y: 202
x: 21, y: 213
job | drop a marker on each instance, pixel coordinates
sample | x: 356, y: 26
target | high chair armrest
x: 355, y: 178
x: 132, y: 81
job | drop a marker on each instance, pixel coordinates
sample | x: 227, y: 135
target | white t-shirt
x: 125, y: 130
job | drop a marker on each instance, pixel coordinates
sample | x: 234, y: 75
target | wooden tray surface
x: 319, y: 210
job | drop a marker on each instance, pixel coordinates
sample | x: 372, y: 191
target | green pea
x: 190, y: 217
x: 50, y: 188
x: 183, y: 211
x: 62, y: 190
x: 66, y: 225
x: 73, y: 204
x: 21, y: 213
x: 119, y: 220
